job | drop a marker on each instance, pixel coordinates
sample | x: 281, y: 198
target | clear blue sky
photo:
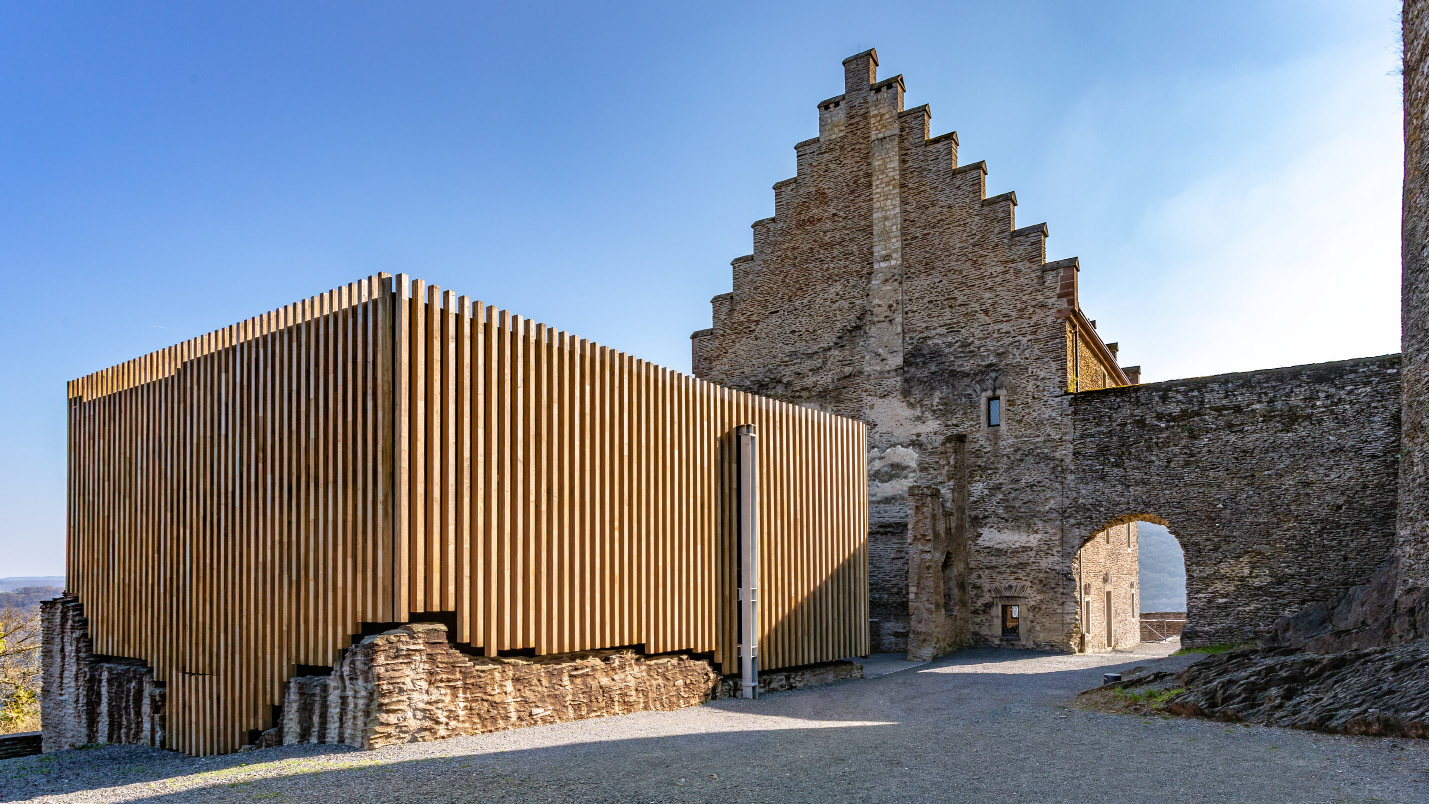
x: 1228, y: 172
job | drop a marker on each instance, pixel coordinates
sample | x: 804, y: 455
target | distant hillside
x: 27, y: 598
x: 1163, y: 569
x: 13, y: 583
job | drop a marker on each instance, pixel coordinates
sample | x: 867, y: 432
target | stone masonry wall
x: 890, y: 288
x: 411, y: 685
x: 1279, y: 484
x: 1412, y: 548
x: 937, y: 577
x: 87, y: 699
x: 1108, y: 565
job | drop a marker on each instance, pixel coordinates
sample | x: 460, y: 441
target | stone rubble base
x: 409, y: 684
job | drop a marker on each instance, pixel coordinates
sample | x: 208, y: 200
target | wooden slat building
x: 244, y: 503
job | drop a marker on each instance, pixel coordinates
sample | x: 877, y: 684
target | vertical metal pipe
x: 748, y: 562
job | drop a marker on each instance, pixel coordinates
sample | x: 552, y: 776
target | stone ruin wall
x: 1279, y: 484
x: 937, y: 575
x: 411, y: 684
x: 888, y: 287
x: 1107, y: 563
x: 87, y: 699
x: 408, y: 684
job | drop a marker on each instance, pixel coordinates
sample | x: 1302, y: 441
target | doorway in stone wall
x: 1161, y: 583
x: 1110, y: 630
x: 1131, y: 586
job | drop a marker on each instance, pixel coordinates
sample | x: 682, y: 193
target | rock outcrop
x: 1378, y: 691
x: 1366, y: 616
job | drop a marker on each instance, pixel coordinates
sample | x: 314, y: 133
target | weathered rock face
x: 411, y: 685
x: 1365, y: 616
x: 89, y: 699
x: 1279, y: 484
x: 1379, y: 691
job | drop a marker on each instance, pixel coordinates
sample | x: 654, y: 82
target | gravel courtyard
x: 981, y: 725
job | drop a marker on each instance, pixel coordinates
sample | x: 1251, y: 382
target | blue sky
x: 1228, y: 172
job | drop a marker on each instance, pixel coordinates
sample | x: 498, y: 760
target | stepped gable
x: 879, y: 210
x: 889, y: 287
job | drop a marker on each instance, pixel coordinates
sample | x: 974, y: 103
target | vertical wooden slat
x: 529, y: 533
x: 481, y: 493
x: 261, y: 491
x: 417, y: 425
x: 450, y: 450
x: 432, y: 446
x: 463, y: 400
x: 541, y: 537
x: 491, y: 488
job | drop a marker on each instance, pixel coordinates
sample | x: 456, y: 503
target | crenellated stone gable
x: 888, y: 286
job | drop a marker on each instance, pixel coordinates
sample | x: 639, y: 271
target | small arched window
x: 994, y: 411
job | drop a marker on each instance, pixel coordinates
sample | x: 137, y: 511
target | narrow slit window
x: 994, y: 411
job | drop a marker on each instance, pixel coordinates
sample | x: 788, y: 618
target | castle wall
x: 1413, y: 526
x: 1279, y: 484
x: 937, y: 576
x: 1106, y: 568
x: 888, y: 287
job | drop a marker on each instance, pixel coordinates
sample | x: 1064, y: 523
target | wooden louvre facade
x: 246, y: 502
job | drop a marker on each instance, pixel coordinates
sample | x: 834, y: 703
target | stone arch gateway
x: 1279, y: 484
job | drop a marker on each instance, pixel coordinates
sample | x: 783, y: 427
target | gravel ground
x: 981, y: 725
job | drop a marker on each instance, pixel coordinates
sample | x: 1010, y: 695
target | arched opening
x: 1162, y: 581
x: 1131, y: 586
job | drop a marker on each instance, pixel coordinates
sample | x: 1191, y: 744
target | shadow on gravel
x: 469, y: 773
x: 1002, y: 677
x: 958, y: 729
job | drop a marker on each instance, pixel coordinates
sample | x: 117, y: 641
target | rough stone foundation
x: 795, y: 678
x: 411, y: 685
x: 19, y: 745
x: 89, y: 699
